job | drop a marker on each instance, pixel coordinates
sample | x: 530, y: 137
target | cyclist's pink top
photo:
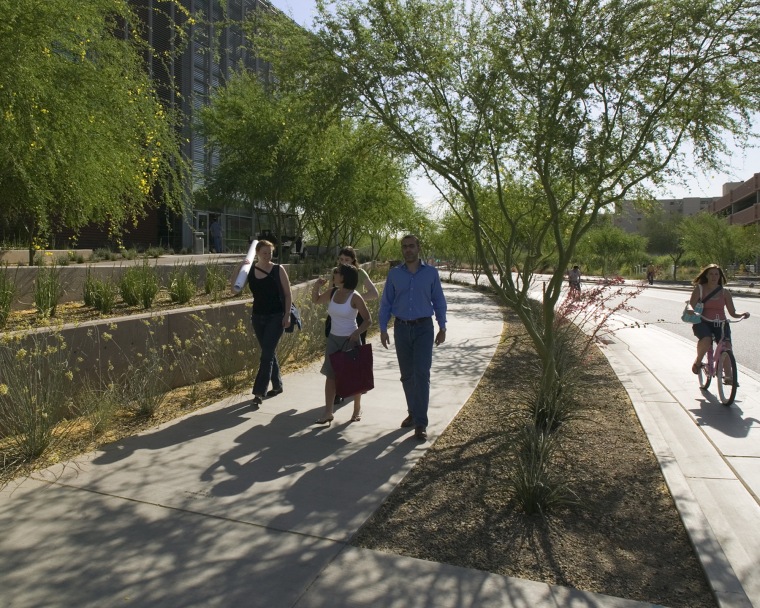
x: 715, y: 307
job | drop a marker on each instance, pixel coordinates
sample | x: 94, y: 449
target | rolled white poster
x: 242, y: 277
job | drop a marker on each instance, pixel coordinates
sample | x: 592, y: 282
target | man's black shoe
x: 420, y: 433
x: 274, y: 392
x: 407, y: 422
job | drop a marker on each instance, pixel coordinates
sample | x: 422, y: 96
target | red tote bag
x: 353, y: 370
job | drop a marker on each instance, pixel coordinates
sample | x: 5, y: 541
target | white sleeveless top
x: 343, y: 317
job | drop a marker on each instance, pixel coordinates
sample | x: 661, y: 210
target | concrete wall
x: 106, y: 348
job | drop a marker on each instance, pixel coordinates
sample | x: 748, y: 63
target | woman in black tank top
x: 269, y: 318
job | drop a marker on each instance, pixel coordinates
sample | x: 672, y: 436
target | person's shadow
x: 728, y: 420
x: 263, y: 453
x: 192, y: 427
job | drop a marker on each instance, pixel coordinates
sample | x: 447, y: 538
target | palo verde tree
x: 663, y: 233
x: 709, y: 239
x: 83, y: 135
x: 578, y: 102
x: 262, y: 137
x: 609, y: 247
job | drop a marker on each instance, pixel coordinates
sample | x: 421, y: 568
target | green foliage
x: 609, y: 247
x: 102, y: 254
x: 104, y: 293
x: 536, y: 490
x: 84, y: 137
x: 47, y: 290
x: 216, y: 280
x: 183, y: 282
x: 7, y: 292
x: 140, y: 285
x: 708, y: 239
x: 154, y: 252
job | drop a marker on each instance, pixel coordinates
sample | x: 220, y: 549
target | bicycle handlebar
x: 726, y: 320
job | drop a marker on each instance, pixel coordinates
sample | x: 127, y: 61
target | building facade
x: 631, y: 218
x: 740, y: 203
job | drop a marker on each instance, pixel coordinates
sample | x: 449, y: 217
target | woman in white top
x: 343, y: 306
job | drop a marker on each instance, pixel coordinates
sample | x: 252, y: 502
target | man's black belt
x: 412, y: 321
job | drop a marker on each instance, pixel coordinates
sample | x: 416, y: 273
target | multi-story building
x: 630, y: 217
x: 740, y: 203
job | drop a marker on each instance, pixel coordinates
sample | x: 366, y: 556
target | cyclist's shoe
x: 695, y: 368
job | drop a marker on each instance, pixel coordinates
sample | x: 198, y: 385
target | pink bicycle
x: 721, y: 365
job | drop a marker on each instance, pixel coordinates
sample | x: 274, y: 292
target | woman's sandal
x: 356, y: 417
x: 327, y: 421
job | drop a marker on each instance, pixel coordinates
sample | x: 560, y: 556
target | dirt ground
x: 622, y: 537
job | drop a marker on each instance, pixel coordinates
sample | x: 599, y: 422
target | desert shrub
x: 226, y: 348
x: 98, y: 404
x: 7, y: 291
x: 143, y: 385
x: 535, y: 489
x: 154, y: 252
x: 35, y: 394
x: 140, y: 285
x: 88, y: 289
x: 216, y: 280
x: 105, y: 294
x: 129, y: 254
x: 183, y: 282
x: 47, y: 290
x: 103, y: 254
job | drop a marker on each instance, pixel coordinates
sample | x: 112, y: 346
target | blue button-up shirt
x: 409, y: 295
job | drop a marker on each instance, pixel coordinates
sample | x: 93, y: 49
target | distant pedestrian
x: 574, y: 279
x: 215, y: 230
x: 650, y: 273
x: 412, y: 294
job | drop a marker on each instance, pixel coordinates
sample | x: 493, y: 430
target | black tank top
x: 266, y: 294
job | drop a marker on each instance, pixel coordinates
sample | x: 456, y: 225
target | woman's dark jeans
x: 268, y: 330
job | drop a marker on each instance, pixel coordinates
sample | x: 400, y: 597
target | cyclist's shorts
x: 705, y: 329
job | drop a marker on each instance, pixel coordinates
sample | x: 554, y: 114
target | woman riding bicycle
x: 708, y: 289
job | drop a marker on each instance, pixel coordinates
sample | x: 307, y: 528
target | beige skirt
x: 334, y: 344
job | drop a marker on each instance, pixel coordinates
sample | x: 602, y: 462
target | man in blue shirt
x: 412, y: 294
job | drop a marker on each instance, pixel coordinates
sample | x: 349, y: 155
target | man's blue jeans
x: 268, y: 330
x: 414, y: 350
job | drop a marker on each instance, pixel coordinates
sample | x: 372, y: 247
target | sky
x: 741, y: 166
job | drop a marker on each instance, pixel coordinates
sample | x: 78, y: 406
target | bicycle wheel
x: 704, y: 377
x: 727, y: 391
